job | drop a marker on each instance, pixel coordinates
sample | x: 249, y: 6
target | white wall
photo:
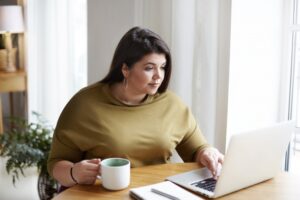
x: 108, y: 20
x: 255, y: 64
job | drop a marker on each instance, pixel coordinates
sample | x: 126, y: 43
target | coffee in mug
x: 115, y: 173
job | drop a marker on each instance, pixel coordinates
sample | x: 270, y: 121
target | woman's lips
x: 154, y: 84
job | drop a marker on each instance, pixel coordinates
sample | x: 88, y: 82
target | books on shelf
x: 165, y: 190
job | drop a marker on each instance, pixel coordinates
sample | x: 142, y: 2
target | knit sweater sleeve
x: 193, y: 139
x: 68, y: 134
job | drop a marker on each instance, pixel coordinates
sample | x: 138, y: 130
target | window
x: 294, y: 101
x: 57, y: 54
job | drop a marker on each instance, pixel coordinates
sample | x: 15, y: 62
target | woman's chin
x: 152, y: 92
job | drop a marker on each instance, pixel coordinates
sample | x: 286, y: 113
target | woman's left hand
x: 211, y: 158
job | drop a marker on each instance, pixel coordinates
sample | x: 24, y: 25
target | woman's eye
x: 163, y: 67
x: 148, y: 68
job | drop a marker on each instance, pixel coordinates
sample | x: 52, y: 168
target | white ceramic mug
x: 115, y: 173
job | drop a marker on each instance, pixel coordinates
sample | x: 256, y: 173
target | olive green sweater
x: 96, y: 125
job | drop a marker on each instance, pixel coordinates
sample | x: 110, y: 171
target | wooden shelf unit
x: 11, y: 82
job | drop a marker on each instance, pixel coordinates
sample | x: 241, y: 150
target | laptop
x: 252, y: 157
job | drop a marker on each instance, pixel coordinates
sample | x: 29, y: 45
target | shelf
x: 13, y: 81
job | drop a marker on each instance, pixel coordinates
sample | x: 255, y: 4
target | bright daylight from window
x: 295, y: 66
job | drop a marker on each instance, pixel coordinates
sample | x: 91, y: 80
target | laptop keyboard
x: 206, y: 184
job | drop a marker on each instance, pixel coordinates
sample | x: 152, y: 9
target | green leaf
x: 26, y: 145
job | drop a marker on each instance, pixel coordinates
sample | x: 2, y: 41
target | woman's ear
x: 125, y: 70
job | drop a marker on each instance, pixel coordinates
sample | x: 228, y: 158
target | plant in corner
x: 28, y: 145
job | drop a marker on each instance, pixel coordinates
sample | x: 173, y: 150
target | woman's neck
x: 125, y: 95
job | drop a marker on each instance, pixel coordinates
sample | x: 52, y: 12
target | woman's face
x: 146, y: 75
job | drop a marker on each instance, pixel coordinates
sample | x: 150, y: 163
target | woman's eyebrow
x: 151, y: 63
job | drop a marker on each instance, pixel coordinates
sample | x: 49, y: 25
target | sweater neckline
x: 114, y: 100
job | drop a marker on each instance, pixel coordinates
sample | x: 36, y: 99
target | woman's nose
x: 158, y: 74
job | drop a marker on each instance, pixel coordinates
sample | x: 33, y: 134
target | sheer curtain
x: 57, y: 54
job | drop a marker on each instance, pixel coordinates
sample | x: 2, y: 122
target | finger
x: 210, y: 164
x: 92, y: 167
x: 221, y: 159
x: 218, y: 157
x: 214, y: 157
x: 216, y: 165
x: 91, y: 173
x: 218, y: 171
x: 93, y: 164
x: 94, y: 161
x: 89, y: 180
x: 85, y: 175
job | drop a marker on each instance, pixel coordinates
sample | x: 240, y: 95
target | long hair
x: 133, y: 46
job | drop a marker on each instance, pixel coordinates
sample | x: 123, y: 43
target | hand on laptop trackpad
x: 218, y: 173
x: 240, y: 157
x: 219, y: 169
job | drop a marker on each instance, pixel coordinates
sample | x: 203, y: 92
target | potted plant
x: 27, y: 145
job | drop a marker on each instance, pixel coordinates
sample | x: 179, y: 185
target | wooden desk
x: 284, y: 187
x: 11, y: 82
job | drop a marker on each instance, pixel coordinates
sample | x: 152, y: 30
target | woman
x: 130, y: 114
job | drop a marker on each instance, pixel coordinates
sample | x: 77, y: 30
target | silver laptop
x: 252, y: 157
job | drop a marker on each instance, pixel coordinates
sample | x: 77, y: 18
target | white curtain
x: 56, y: 52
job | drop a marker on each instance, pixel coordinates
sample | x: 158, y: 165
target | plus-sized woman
x: 129, y: 114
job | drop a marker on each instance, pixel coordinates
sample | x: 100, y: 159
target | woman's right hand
x: 86, y: 171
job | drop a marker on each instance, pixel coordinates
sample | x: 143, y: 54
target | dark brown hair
x: 133, y: 46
